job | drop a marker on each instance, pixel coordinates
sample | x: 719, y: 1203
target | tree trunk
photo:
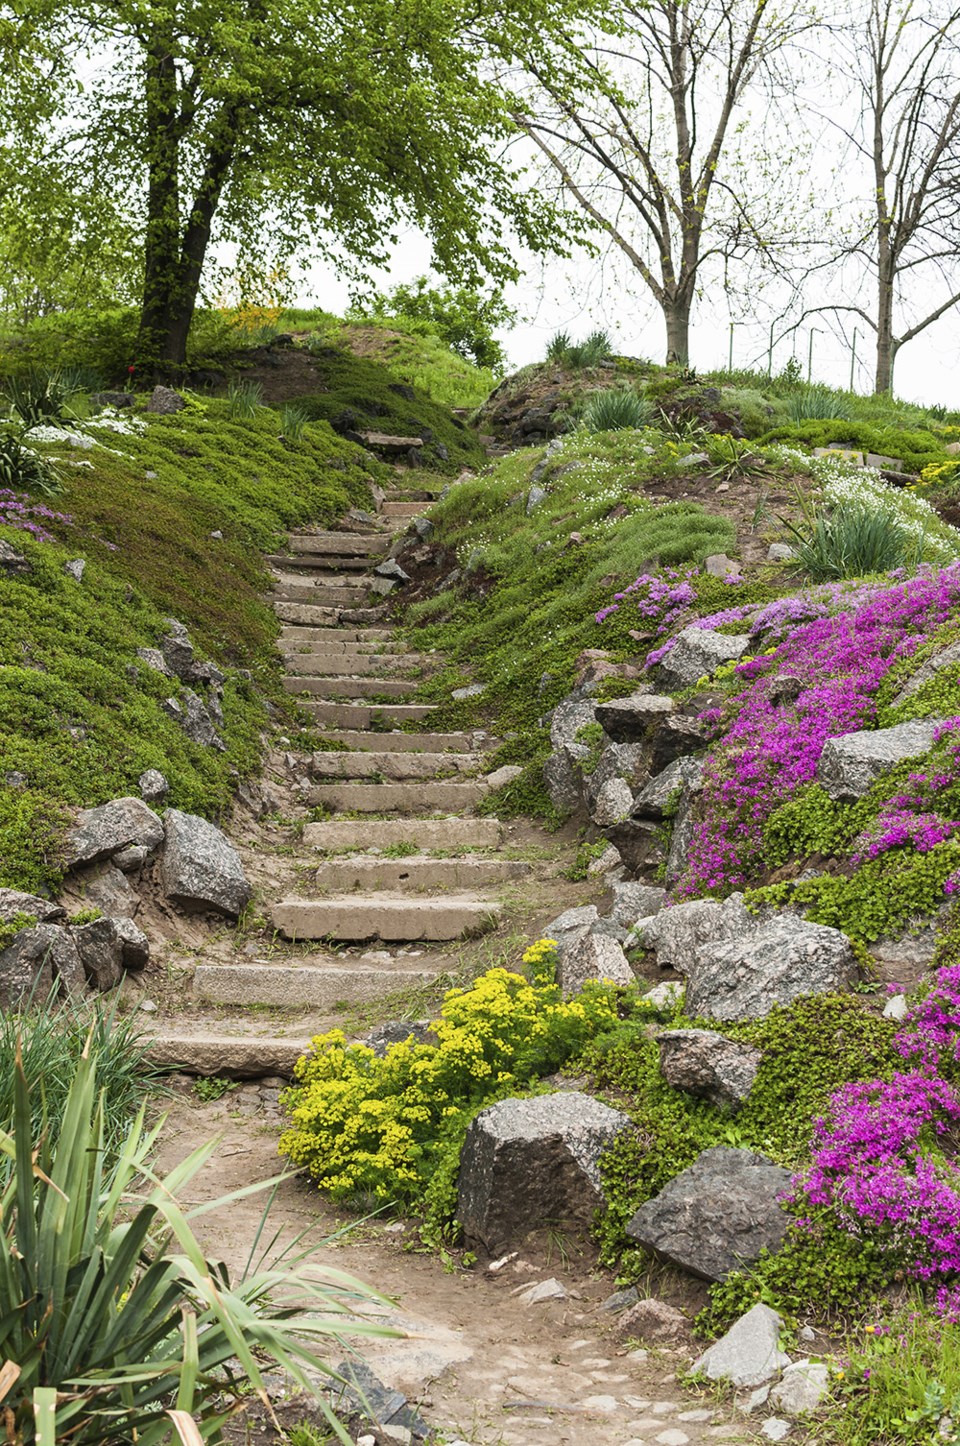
x: 886, y: 345
x: 676, y: 315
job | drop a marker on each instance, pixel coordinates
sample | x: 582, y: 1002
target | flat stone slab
x: 339, y: 543
x: 849, y: 765
x: 305, y: 986
x: 417, y: 874
x: 352, y: 835
x: 531, y: 1162
x: 235, y: 1057
x: 350, y: 687
x: 359, y: 741
x: 372, y: 716
x: 396, y: 797
x: 348, y: 638
x: 383, y: 917
x: 393, y: 767
x: 328, y: 596
x: 316, y: 663
x: 403, y: 509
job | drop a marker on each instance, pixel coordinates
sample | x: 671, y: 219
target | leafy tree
x: 277, y: 123
x: 462, y: 316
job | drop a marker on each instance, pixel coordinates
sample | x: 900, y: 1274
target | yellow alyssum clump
x: 363, y: 1125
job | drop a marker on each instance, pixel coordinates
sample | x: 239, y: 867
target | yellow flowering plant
x: 377, y: 1129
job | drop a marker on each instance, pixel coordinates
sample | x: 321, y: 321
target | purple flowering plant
x: 19, y: 511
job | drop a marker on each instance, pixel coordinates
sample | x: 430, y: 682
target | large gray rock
x: 628, y: 720
x: 36, y: 959
x: 682, y: 832
x: 101, y: 953
x: 851, y: 764
x: 194, y: 719
x: 165, y: 400
x: 12, y: 562
x: 618, y: 760
x: 633, y: 901
x: 199, y: 869
x: 663, y: 793
x: 676, y: 934
x: 134, y: 944
x: 949, y: 657
x: 570, y: 926
x: 707, y: 1065
x: 563, y: 783
x: 103, y: 831
x: 107, y: 889
x: 675, y: 736
x: 525, y: 1163
x: 14, y: 903
x: 611, y: 803
x: 745, y: 977
x: 590, y: 959
x: 697, y: 653
x: 749, y: 1354
x: 717, y: 1216
x: 561, y: 772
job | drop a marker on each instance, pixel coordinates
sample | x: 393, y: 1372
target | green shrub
x: 107, y: 1304
x: 915, y: 448
x: 461, y: 316
x: 900, y: 1382
x: 817, y: 403
x: 24, y: 470
x: 615, y: 410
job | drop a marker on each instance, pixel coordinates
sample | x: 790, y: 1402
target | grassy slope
x: 79, y: 716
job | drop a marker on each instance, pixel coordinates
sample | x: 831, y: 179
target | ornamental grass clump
x: 616, y: 410
x: 377, y: 1130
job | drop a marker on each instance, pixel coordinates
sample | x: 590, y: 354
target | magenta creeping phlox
x: 18, y: 510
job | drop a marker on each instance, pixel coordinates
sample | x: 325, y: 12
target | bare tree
x: 643, y: 137
x: 904, y: 61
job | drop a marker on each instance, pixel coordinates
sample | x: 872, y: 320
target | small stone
x: 473, y: 690
x: 606, y: 1405
x: 75, y: 567
x: 12, y: 562
x: 101, y: 952
x: 400, y: 1435
x: 896, y: 1008
x: 590, y: 959
x: 129, y: 860
x: 501, y: 777
x: 653, y: 1321
x: 153, y: 786
x: 164, y: 400
x: 535, y: 496
x: 147, y: 1006
x: 749, y: 1354
x: 570, y: 926
x: 755, y: 1400
x: 13, y: 902
x: 784, y: 689
x: 780, y: 552
x: 668, y: 995
x: 154, y: 659
x: 613, y: 803
x: 775, y: 1430
x: 391, y: 569
x: 621, y: 1299
x: 807, y: 1334
x: 543, y: 1290
x: 134, y: 944
x: 217, y: 535
x: 718, y: 564
x: 366, y: 1441
x: 801, y: 1389
x: 672, y: 1437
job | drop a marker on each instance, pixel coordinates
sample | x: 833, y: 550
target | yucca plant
x: 614, y: 410
x: 293, y: 419
x: 244, y: 400
x: 43, y: 397
x: 114, y: 1327
x: 817, y: 404
x: 23, y: 470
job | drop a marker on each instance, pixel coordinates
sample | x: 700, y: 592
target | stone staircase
x: 398, y: 859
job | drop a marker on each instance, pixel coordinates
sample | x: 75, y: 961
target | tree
x: 641, y: 134
x: 462, y: 316
x: 273, y: 122
x: 903, y: 62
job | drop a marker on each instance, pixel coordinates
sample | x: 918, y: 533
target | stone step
x: 334, y: 637
x: 403, y: 510
x: 396, y: 797
x: 292, y: 577
x: 316, y: 664
x: 234, y: 1056
x: 418, y: 872
x: 377, y: 717
x: 384, y: 916
x: 314, y: 615
x: 391, y: 766
x: 351, y: 835
x: 355, y: 739
x: 339, y: 544
x: 314, y: 562
x: 308, y: 986
x: 330, y: 687
x: 325, y: 597
x: 414, y: 494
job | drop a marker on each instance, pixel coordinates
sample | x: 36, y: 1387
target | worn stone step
x: 403, y: 510
x: 384, y: 916
x: 396, y: 797
x: 340, y: 687
x: 414, y: 494
x: 309, y: 986
x: 391, y: 766
x: 339, y: 544
x: 233, y: 1056
x: 379, y: 718
x: 418, y: 872
x: 306, y: 613
x: 317, y: 562
x: 291, y: 577
x: 351, y: 835
x: 325, y: 596
x: 355, y: 738
x: 335, y: 637
x: 312, y: 663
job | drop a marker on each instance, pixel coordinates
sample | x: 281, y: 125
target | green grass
x: 80, y: 715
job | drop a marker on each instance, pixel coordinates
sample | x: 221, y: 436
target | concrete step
x: 253, y: 1056
x: 352, y: 835
x: 391, y: 766
x: 354, y: 738
x: 308, y: 986
x: 311, y: 662
x: 334, y: 637
x: 384, y: 916
x: 311, y: 562
x: 418, y: 873
x: 340, y: 687
x: 403, y: 510
x: 377, y: 717
x: 396, y: 797
x: 325, y: 597
x: 317, y: 615
x: 339, y: 544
